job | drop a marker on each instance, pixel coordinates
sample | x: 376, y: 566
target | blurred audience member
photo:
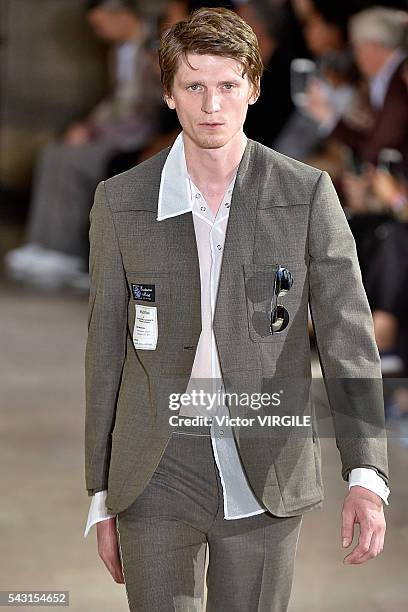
x: 266, y: 118
x: 303, y: 9
x: 387, y: 291
x: 177, y: 10
x: 377, y: 36
x: 67, y: 172
x: 325, y: 26
x: 392, y: 192
x: 325, y: 32
x: 302, y: 136
x: 377, y: 203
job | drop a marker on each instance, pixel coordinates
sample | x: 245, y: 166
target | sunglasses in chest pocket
x: 265, y: 284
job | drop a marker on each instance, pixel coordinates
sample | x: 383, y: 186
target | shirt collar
x: 380, y: 82
x: 174, y: 192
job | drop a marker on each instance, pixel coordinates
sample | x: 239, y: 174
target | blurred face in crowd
x: 322, y: 36
x: 369, y: 56
x: 267, y: 43
x: 212, y: 100
x: 113, y: 25
x: 176, y: 10
x: 303, y: 9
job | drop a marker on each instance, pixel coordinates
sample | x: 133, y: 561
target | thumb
x: 347, y: 530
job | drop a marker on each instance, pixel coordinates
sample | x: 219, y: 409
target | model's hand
x: 366, y: 508
x: 108, y: 548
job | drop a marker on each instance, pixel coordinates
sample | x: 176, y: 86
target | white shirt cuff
x: 97, y: 511
x: 368, y: 478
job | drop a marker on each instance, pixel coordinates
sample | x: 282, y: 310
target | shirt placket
x: 239, y: 500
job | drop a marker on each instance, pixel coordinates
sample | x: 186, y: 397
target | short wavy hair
x: 216, y: 31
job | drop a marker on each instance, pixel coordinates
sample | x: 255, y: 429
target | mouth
x: 211, y: 125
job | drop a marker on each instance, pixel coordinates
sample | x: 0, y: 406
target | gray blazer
x: 282, y: 212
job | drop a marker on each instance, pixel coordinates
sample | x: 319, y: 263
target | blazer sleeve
x: 106, y: 342
x: 344, y: 332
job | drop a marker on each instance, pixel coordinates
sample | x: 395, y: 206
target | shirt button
x: 221, y: 432
x: 198, y: 195
x: 219, y: 247
x: 227, y: 205
x: 203, y: 208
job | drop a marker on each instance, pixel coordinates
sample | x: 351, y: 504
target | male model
x: 204, y: 260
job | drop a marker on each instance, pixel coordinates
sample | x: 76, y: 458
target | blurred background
x: 80, y: 101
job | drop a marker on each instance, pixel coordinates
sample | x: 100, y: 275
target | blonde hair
x: 216, y: 31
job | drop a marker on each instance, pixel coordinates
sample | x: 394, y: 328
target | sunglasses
x: 283, y: 281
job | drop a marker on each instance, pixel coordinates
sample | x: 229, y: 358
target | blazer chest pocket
x: 149, y: 298
x: 261, y: 299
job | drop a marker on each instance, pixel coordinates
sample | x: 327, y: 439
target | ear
x: 254, y: 95
x: 169, y: 101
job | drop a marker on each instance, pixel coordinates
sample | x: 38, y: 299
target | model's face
x: 211, y: 100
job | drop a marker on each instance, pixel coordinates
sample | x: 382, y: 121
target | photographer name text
x: 226, y: 421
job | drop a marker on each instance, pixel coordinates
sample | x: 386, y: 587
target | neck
x: 212, y: 169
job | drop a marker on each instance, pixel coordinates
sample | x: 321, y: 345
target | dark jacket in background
x: 389, y: 128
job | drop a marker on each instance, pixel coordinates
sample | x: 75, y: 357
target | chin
x: 214, y: 144
x: 211, y: 141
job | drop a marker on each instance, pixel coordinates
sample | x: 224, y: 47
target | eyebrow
x: 197, y: 82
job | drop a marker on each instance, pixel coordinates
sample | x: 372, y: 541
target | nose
x: 210, y: 102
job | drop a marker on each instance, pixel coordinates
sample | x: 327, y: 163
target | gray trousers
x: 174, y: 540
x: 64, y: 182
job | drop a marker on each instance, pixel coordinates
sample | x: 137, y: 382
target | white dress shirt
x: 179, y: 195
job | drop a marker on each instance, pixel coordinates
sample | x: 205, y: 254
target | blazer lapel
x: 239, y: 239
x: 180, y: 255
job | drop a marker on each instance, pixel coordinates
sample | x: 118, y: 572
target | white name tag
x: 145, y: 331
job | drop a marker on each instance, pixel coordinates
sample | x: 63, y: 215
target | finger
x: 114, y: 567
x: 373, y: 550
x: 118, y: 576
x: 380, y: 543
x: 119, y: 567
x: 347, y: 528
x: 363, y: 545
x: 117, y: 571
x: 381, y: 537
